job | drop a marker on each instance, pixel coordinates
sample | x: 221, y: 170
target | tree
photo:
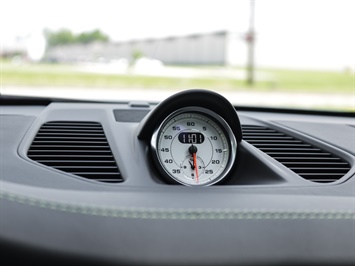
x: 61, y: 37
x: 92, y: 36
x: 65, y: 37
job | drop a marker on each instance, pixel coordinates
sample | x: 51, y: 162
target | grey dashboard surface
x: 145, y: 221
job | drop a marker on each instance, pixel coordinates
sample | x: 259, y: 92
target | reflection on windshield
x: 249, y: 51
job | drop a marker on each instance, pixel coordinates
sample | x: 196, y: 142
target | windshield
x: 293, y: 54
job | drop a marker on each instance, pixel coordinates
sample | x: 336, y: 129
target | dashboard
x: 192, y: 180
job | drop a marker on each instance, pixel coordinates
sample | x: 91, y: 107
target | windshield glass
x: 293, y: 54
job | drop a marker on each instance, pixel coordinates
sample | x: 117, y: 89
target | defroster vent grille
x: 306, y: 160
x: 79, y: 148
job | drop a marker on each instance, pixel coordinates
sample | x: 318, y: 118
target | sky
x: 290, y: 33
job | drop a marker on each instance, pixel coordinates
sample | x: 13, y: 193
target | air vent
x: 79, y: 148
x: 306, y: 160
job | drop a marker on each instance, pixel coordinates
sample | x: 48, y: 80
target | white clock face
x: 194, y: 147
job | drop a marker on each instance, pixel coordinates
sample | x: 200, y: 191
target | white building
x: 216, y: 48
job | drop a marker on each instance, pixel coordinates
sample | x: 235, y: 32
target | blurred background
x: 293, y: 54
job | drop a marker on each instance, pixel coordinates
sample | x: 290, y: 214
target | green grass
x: 96, y: 80
x: 314, y: 81
x: 277, y: 80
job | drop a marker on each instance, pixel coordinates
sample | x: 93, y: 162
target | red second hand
x: 195, y: 165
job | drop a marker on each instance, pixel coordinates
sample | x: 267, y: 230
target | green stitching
x: 180, y: 214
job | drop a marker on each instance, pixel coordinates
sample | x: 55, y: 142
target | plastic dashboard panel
x: 268, y: 216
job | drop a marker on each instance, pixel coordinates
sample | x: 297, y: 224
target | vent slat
x: 267, y: 137
x: 255, y: 127
x: 83, y: 131
x: 318, y: 170
x: 70, y: 127
x: 86, y: 138
x: 322, y: 174
x: 316, y: 164
x: 87, y: 167
x: 69, y: 152
x: 288, y: 149
x: 306, y: 159
x: 271, y: 134
x: 301, y: 154
x: 60, y: 142
x: 76, y: 162
x: 72, y: 156
x: 312, y: 163
x: 277, y: 141
x: 72, y: 123
x: 79, y: 148
x: 246, y: 130
x: 87, y: 134
x: 276, y: 145
x: 68, y: 148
